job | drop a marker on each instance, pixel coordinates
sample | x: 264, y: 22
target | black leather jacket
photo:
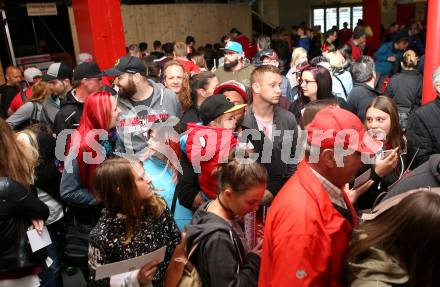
x: 17, y: 207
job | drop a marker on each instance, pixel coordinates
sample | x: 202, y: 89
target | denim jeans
x: 52, y: 276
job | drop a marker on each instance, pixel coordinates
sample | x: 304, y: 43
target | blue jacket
x: 383, y: 66
x: 304, y: 42
x: 162, y: 180
x: 71, y: 189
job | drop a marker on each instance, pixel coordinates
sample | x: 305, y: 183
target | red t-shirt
x: 17, y: 102
x: 189, y: 66
x: 356, y: 52
x: 244, y: 41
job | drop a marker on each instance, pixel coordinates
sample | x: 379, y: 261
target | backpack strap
x: 34, y: 114
x: 24, y: 99
x: 345, y: 91
x: 174, y: 203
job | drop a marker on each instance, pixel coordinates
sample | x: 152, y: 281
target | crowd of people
x: 300, y: 159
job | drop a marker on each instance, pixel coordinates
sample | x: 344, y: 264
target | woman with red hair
x: 89, y: 146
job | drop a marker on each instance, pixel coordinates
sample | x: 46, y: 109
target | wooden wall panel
x: 207, y: 23
x: 74, y: 33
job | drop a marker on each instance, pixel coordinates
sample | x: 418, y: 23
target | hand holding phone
x: 387, y: 163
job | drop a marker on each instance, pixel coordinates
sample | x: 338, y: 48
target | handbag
x: 76, y: 241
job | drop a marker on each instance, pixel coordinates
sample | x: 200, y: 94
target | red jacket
x: 189, y: 66
x: 356, y: 52
x: 205, y: 148
x: 17, y: 102
x: 305, y: 237
x: 344, y: 35
x: 244, y: 41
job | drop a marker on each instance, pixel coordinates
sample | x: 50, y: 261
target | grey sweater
x: 136, y: 118
x: 24, y: 113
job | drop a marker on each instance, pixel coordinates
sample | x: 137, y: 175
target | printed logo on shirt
x: 301, y: 274
x: 137, y: 123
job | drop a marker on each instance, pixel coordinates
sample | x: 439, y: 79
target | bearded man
x: 236, y: 67
x: 142, y: 103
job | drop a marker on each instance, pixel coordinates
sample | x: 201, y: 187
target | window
x: 357, y: 14
x: 344, y: 16
x: 335, y: 16
x: 318, y: 18
x: 331, y: 16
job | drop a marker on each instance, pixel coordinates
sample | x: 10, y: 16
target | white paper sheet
x: 37, y: 240
x: 107, y: 270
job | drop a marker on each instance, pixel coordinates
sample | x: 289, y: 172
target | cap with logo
x: 127, y: 64
x: 232, y: 85
x: 215, y: 106
x: 334, y: 126
x: 86, y: 70
x: 84, y: 57
x: 58, y: 71
x: 233, y: 47
x: 31, y: 73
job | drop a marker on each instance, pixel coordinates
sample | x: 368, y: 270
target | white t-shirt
x: 265, y: 126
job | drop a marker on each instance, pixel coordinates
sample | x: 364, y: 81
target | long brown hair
x: 115, y: 185
x: 410, y: 231
x: 387, y: 105
x: 40, y: 91
x: 17, y: 161
x: 185, y: 94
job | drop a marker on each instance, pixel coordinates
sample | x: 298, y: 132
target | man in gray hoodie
x: 142, y: 103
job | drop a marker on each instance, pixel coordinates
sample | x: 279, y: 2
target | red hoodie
x: 206, y: 147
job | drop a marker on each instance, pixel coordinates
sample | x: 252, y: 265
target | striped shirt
x: 333, y: 191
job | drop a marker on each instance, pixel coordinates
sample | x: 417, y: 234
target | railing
x: 262, y: 25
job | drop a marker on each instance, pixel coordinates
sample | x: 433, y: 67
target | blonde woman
x: 299, y: 58
x: 30, y: 112
x: 19, y: 209
x: 406, y: 87
x: 342, y: 83
x: 47, y: 188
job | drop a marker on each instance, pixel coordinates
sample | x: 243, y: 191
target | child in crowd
x: 160, y: 165
x: 209, y: 143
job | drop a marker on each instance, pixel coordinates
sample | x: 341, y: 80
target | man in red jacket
x: 309, y: 223
x: 357, y: 44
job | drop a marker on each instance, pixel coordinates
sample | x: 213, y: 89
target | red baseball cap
x: 233, y: 85
x: 334, y: 126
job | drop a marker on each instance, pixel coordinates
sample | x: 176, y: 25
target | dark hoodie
x: 220, y: 258
x: 69, y: 115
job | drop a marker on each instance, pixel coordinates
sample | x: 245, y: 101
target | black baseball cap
x: 86, y: 70
x: 215, y: 106
x: 127, y: 64
x: 58, y: 71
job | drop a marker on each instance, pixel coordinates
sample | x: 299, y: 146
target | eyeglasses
x: 301, y: 80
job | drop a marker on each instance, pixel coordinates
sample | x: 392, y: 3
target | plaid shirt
x: 333, y: 191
